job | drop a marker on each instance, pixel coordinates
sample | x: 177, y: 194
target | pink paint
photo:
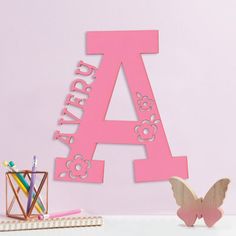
x: 121, y: 48
x: 200, y: 209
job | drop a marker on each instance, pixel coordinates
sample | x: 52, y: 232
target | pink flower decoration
x: 78, y: 167
x: 144, y: 102
x: 147, y: 129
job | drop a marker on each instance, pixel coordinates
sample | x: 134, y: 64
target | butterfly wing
x: 211, y: 215
x: 186, y: 199
x: 213, y: 200
x: 188, y: 216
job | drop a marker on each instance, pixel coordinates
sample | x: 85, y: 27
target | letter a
x: 120, y: 48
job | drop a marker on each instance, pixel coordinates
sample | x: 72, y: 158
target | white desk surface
x: 141, y: 225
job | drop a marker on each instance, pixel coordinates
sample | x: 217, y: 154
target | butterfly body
x: 192, y: 207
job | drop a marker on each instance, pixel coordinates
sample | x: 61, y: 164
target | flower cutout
x: 146, y: 131
x: 78, y: 167
x: 144, y: 102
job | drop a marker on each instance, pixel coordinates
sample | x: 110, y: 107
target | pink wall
x: 193, y: 80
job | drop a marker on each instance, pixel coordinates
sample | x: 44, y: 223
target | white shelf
x: 143, y: 226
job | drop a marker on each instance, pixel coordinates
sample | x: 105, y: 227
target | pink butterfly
x: 192, y: 207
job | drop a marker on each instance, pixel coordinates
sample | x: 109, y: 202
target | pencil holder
x: 21, y: 203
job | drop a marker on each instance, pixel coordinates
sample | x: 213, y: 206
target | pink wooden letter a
x: 120, y: 48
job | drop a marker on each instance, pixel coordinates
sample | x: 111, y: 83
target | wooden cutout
x: 119, y: 49
x: 192, y: 207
